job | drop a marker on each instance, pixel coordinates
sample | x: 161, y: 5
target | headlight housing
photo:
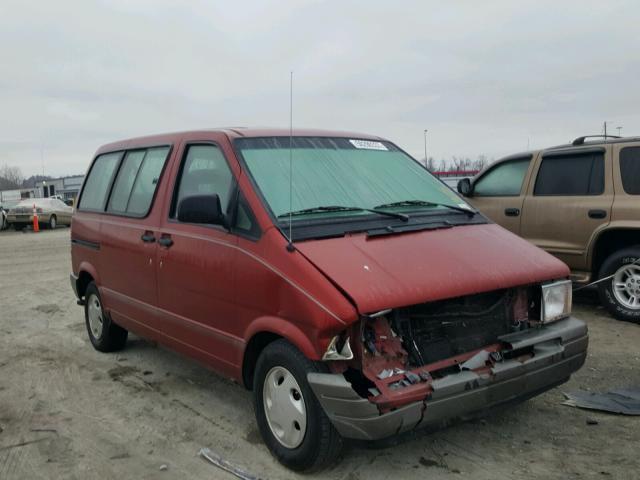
x: 556, y: 301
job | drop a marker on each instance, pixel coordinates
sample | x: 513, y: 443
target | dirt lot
x: 67, y: 411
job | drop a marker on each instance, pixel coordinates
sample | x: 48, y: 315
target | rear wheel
x: 104, y: 335
x: 52, y: 222
x: 291, y: 421
x: 621, y: 294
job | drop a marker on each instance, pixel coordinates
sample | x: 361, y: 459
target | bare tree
x: 12, y: 176
x: 431, y: 164
x: 480, y: 162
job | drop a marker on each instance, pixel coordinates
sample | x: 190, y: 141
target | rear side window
x: 146, y: 182
x: 96, y: 186
x: 575, y: 174
x: 504, y: 180
x: 630, y: 170
x: 137, y: 180
x: 204, y: 172
x: 124, y: 182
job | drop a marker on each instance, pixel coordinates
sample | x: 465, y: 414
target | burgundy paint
x: 212, y: 291
x: 400, y: 270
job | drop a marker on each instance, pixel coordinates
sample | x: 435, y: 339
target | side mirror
x: 464, y: 187
x: 203, y: 209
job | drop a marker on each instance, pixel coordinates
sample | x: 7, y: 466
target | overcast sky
x: 483, y: 77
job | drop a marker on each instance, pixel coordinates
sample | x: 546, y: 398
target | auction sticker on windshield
x: 368, y: 145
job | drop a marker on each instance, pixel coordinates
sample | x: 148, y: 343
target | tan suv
x: 579, y: 202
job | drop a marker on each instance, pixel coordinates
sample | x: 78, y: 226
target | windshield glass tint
x: 338, y: 171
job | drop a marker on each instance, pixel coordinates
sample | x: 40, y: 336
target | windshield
x: 361, y: 174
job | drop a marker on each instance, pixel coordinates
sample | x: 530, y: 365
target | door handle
x: 165, y: 241
x: 147, y: 237
x: 597, y: 214
x: 512, y: 212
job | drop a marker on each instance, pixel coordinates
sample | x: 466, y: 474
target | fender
x: 283, y: 328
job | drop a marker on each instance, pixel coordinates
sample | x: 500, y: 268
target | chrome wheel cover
x: 284, y: 407
x: 626, y: 286
x: 94, y: 314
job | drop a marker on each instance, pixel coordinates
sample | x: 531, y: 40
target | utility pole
x: 426, y: 159
x: 605, y: 129
x: 42, y: 156
x: 619, y: 128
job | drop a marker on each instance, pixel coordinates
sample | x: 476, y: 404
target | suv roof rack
x: 580, y: 140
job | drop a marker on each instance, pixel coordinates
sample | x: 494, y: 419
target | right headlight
x: 556, y: 301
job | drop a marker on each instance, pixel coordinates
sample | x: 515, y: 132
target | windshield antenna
x: 290, y: 247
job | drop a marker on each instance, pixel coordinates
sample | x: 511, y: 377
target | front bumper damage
x: 557, y: 350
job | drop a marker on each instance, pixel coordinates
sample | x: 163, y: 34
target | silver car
x: 51, y: 213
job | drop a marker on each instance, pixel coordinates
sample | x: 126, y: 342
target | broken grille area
x: 439, y: 330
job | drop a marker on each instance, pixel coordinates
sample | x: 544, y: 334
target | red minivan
x: 353, y: 292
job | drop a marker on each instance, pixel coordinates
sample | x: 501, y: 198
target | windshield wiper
x: 340, y: 208
x: 424, y: 203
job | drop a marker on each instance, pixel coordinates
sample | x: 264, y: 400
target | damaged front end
x: 428, y: 363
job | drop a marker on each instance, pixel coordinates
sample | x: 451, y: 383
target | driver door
x: 196, y: 263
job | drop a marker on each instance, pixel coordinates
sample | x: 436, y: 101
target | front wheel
x: 52, y: 222
x: 291, y: 421
x: 621, y: 294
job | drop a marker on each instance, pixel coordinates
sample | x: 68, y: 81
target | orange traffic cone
x: 36, y: 225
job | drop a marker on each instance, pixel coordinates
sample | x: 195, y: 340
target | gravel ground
x: 67, y: 411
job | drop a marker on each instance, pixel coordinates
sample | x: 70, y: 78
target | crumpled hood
x: 405, y: 269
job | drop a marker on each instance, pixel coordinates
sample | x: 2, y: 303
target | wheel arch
x: 611, y: 240
x: 86, y: 275
x: 266, y: 330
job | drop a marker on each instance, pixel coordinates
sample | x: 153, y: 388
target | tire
x: 52, y: 222
x: 105, y: 336
x: 625, y: 266
x: 319, y: 443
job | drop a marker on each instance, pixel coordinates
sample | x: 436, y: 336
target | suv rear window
x: 573, y: 174
x: 630, y: 169
x: 94, y: 192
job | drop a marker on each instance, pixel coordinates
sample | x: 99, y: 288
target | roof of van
x: 231, y: 133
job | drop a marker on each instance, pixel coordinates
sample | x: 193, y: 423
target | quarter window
x: 204, y: 172
x: 630, y: 170
x: 244, y: 222
x: 136, y: 182
x: 504, y: 180
x: 574, y: 174
x: 94, y: 192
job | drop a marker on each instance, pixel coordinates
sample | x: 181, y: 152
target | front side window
x: 630, y: 170
x: 503, y: 180
x: 574, y: 174
x: 204, y: 172
x: 137, y: 180
x: 96, y: 186
x: 338, y: 172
